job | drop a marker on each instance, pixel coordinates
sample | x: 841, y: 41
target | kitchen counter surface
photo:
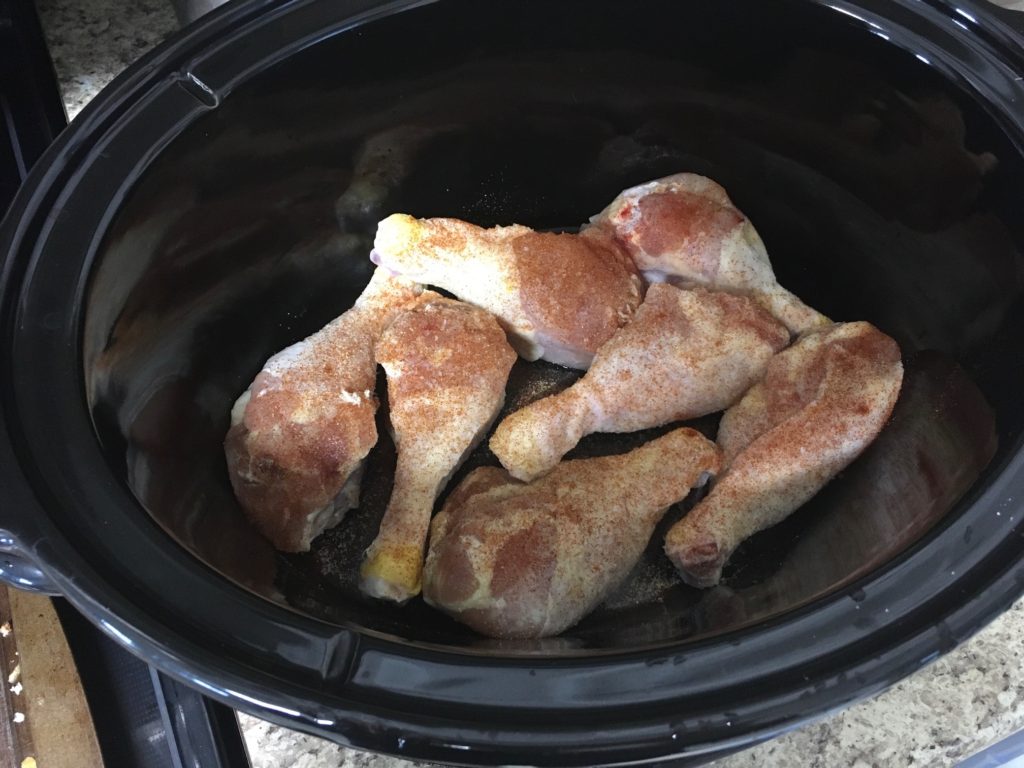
x: 960, y: 704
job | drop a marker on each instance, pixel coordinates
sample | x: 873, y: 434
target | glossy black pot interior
x: 886, y: 186
x: 881, y: 195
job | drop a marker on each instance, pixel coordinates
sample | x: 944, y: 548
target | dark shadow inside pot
x: 881, y: 192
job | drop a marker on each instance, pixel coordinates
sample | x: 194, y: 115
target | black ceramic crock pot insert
x: 189, y: 225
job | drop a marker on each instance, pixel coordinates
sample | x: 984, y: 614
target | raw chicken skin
x: 559, y: 296
x: 686, y: 354
x: 301, y: 430
x: 524, y: 561
x: 447, y: 364
x: 685, y: 229
x: 820, y: 403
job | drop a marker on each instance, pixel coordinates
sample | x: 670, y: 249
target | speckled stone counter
x: 962, y: 703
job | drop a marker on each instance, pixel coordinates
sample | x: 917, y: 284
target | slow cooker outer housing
x: 71, y: 517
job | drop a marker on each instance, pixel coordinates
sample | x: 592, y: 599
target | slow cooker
x: 218, y: 201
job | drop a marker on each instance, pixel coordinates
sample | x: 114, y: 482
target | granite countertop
x: 967, y: 700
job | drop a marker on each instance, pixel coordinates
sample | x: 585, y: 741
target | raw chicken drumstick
x: 684, y: 228
x: 820, y: 403
x: 524, y: 561
x: 686, y: 354
x: 447, y: 364
x: 559, y: 296
x: 301, y: 430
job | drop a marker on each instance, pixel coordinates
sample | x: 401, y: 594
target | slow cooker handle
x: 17, y: 568
x: 18, y: 565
